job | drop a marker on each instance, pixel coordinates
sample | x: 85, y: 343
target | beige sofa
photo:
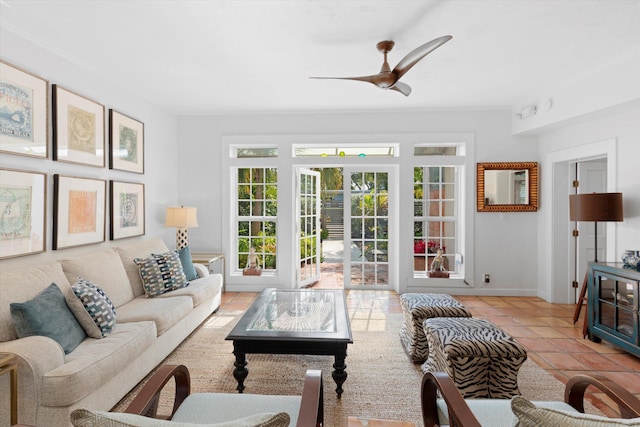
x: 99, y: 372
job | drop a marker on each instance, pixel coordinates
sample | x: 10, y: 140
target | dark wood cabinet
x: 613, y: 305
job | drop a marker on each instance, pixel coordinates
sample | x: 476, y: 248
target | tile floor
x: 546, y: 330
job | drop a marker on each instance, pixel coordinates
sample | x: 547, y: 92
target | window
x: 257, y: 194
x: 437, y: 211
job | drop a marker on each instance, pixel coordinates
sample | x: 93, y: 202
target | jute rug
x: 382, y: 382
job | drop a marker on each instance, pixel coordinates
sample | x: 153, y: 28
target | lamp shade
x: 597, y: 207
x: 181, y: 217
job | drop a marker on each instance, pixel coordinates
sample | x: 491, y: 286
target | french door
x: 307, y: 226
x: 368, y: 227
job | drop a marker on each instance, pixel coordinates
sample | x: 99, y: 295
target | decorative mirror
x: 507, y: 187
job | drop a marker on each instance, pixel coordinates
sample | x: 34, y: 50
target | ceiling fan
x: 388, y: 78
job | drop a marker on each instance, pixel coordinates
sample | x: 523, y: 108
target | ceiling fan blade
x: 403, y: 88
x: 417, y: 54
x: 370, y: 79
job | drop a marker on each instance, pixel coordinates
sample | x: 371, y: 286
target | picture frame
x: 23, y: 208
x: 78, y: 129
x: 24, y: 117
x: 126, y: 143
x: 78, y: 211
x: 127, y: 209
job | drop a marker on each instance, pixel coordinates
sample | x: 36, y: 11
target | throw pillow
x: 161, y: 273
x: 86, y: 418
x: 529, y: 415
x: 187, y: 263
x: 48, y: 315
x: 93, y: 308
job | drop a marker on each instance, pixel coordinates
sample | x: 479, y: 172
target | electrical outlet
x: 486, y: 278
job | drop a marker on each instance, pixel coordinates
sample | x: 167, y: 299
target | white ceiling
x: 200, y: 57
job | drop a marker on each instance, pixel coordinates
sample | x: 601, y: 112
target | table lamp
x: 182, y: 218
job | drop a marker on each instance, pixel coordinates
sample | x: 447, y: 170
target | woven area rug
x: 382, y: 382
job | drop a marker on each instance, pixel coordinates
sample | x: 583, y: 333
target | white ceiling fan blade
x: 403, y: 88
x: 417, y: 54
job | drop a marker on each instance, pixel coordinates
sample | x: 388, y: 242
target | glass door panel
x: 308, y: 226
x: 367, y: 210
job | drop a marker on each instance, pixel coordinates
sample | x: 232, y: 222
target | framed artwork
x: 23, y: 196
x: 78, y: 129
x: 126, y: 140
x: 24, y: 100
x: 127, y: 209
x: 78, y: 211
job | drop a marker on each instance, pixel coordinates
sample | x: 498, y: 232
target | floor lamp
x: 182, y: 218
x: 593, y: 207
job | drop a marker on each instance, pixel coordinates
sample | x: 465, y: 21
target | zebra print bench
x: 482, y: 359
x: 417, y: 307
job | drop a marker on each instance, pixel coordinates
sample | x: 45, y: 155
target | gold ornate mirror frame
x: 483, y: 202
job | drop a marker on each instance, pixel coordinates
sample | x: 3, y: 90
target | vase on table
x: 631, y: 258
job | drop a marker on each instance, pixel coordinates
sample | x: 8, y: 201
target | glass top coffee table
x: 301, y: 321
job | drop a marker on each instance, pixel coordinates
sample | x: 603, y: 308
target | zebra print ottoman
x: 418, y: 307
x: 482, y: 359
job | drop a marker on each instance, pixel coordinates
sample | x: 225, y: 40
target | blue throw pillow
x: 187, y: 263
x: 48, y: 315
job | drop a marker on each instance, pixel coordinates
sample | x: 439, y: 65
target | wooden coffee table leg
x: 339, y: 373
x: 240, y: 372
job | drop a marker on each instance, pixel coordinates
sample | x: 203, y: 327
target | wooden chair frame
x: 146, y: 402
x: 462, y: 416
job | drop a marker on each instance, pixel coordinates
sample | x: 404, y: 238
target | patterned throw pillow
x: 161, y: 273
x: 97, y: 305
x: 84, y: 418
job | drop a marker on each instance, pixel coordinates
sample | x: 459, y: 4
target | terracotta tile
x: 531, y: 321
x: 538, y: 344
x: 572, y: 346
x: 627, y: 360
x: 598, y: 362
x: 627, y: 379
x: 519, y: 331
x: 561, y: 360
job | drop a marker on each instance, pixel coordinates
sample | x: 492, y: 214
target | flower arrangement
x: 420, y: 247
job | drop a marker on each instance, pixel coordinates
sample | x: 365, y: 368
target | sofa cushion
x: 141, y: 249
x: 187, y: 263
x: 161, y: 273
x: 105, y: 268
x: 200, y: 290
x: 164, y: 312
x: 85, y: 418
x: 92, y: 307
x: 529, y: 415
x: 22, y: 285
x: 48, y: 315
x: 95, y: 362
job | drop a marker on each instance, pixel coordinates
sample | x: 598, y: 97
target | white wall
x: 505, y: 243
x: 161, y: 169
x: 616, y: 135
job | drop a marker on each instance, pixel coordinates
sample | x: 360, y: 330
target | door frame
x: 554, y: 248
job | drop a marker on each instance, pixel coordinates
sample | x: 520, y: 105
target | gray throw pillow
x: 48, y: 315
x: 187, y: 263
